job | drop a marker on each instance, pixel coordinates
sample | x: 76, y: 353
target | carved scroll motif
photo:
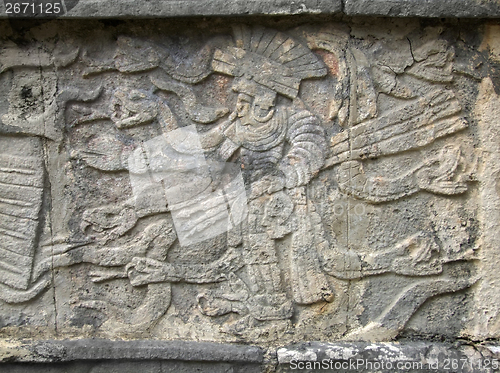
x: 206, y: 191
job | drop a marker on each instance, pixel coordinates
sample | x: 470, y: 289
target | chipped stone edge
x: 423, y: 8
x: 59, y: 351
x: 56, y: 351
x: 127, y: 9
x: 425, y: 352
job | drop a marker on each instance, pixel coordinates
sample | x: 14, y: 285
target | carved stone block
x: 250, y: 182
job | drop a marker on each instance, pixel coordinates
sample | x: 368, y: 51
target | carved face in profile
x: 256, y: 104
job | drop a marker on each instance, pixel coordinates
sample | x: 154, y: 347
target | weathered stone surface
x: 423, y: 8
x: 387, y: 357
x: 177, y: 8
x: 258, y: 183
x: 146, y: 357
x: 98, y: 349
x: 181, y: 8
x: 132, y: 367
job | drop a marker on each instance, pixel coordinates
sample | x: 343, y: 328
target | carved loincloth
x: 21, y: 190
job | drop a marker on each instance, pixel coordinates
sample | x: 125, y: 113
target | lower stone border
x: 99, y: 355
x: 102, y: 349
x: 390, y: 357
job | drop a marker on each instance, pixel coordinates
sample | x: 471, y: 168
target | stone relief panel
x: 237, y: 182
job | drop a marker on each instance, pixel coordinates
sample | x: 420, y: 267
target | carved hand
x: 105, y: 153
x: 109, y: 222
x: 342, y: 263
x: 142, y: 271
x: 436, y: 175
x: 266, y: 185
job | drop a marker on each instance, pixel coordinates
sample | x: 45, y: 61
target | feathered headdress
x: 269, y: 58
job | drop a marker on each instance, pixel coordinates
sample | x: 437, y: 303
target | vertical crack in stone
x: 404, y: 134
x: 46, y: 158
x: 411, y: 51
x: 352, y: 117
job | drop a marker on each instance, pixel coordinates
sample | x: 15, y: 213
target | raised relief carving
x: 35, y: 115
x: 218, y: 196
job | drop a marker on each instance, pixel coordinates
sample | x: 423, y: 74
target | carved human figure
x: 280, y: 147
x: 27, y: 131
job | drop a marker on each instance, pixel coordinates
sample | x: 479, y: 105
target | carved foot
x: 155, y: 305
x: 251, y: 329
x: 373, y: 332
x: 212, y: 306
x: 10, y: 295
x: 392, y: 321
x: 270, y: 307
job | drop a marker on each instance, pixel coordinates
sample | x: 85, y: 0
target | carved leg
x: 436, y: 175
x: 390, y: 323
x: 119, y: 255
x: 309, y: 283
x: 21, y: 195
x: 417, y: 255
x: 155, y: 305
x: 268, y: 300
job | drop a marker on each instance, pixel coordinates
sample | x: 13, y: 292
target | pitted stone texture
x: 182, y: 8
x: 132, y: 367
x: 387, y: 357
x: 423, y: 8
x: 235, y: 182
x: 98, y: 349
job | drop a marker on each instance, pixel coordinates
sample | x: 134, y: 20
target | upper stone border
x: 184, y: 8
x: 424, y: 8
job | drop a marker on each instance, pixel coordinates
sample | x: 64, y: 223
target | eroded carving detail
x: 213, y: 183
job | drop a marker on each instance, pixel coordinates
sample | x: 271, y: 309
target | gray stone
x: 99, y: 349
x: 97, y: 9
x: 200, y: 192
x: 423, y: 8
x: 95, y: 355
x: 131, y: 367
x: 227, y: 186
x: 387, y: 357
x: 181, y: 8
x: 423, y: 356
